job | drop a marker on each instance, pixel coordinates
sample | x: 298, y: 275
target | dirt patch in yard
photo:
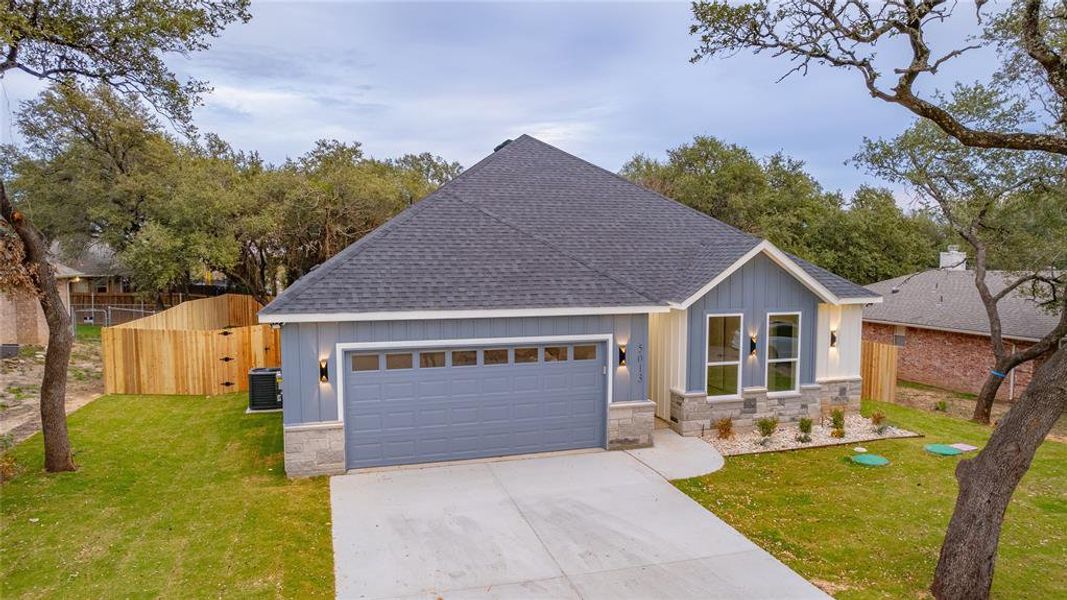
x: 20, y: 386
x: 960, y: 405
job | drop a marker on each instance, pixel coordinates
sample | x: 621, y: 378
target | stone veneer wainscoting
x: 630, y: 424
x: 692, y: 413
x: 315, y: 449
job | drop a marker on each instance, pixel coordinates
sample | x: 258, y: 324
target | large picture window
x: 783, y: 352
x: 724, y: 356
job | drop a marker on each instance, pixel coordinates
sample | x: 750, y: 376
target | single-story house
x: 938, y: 320
x: 536, y: 303
x: 21, y: 318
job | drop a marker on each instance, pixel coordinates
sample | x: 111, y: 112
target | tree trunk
x: 983, y: 407
x: 57, y: 453
x: 987, y: 482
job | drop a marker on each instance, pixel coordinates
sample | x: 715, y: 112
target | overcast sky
x: 600, y: 80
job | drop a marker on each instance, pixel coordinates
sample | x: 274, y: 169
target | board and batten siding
x: 756, y: 289
x: 668, y: 336
x: 304, y: 344
x: 842, y: 362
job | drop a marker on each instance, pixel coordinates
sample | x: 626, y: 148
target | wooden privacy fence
x: 199, y: 347
x: 878, y: 366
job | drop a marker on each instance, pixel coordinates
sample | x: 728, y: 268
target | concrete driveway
x: 588, y: 525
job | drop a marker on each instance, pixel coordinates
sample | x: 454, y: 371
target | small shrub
x: 767, y: 426
x: 725, y: 427
x: 837, y: 423
x: 941, y: 406
x: 803, y: 438
x: 878, y: 420
x: 804, y: 425
x: 837, y: 419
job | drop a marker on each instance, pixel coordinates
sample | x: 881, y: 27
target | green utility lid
x: 942, y: 449
x: 870, y: 460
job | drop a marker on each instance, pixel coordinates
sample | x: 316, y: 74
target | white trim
x: 314, y: 425
x: 607, y: 338
x: 767, y: 354
x: 840, y: 379
x: 782, y: 260
x: 741, y: 354
x: 425, y: 315
x: 948, y: 330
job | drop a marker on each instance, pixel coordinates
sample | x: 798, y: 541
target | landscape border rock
x: 857, y: 429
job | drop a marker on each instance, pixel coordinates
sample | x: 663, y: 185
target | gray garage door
x: 413, y: 406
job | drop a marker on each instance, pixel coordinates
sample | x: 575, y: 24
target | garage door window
x: 464, y: 358
x: 555, y: 353
x: 365, y: 362
x: 431, y: 360
x: 525, y: 355
x: 398, y: 361
x: 587, y: 352
x: 496, y: 356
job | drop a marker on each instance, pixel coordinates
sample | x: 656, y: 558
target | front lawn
x: 179, y: 497
x: 861, y: 532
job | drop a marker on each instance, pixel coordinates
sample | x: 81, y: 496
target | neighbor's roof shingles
x: 947, y: 299
x: 531, y: 226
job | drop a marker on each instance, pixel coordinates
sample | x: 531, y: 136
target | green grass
x: 875, y: 533
x: 179, y: 497
x: 87, y: 333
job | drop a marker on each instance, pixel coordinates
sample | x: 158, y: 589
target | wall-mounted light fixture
x: 752, y: 345
x: 833, y: 338
x: 622, y: 355
x: 324, y: 372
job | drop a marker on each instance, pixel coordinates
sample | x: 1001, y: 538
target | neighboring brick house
x: 937, y: 319
x: 21, y: 318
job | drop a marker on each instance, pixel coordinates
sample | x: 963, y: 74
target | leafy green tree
x: 873, y: 239
x: 867, y: 240
x: 120, y: 43
x: 334, y: 195
x: 92, y: 164
x: 852, y: 35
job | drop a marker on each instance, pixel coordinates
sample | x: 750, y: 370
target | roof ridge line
x: 548, y: 244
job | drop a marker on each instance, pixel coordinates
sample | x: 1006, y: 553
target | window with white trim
x: 723, y: 374
x: 783, y: 352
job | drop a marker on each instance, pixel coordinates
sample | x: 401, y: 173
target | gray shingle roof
x: 947, y: 299
x: 531, y: 226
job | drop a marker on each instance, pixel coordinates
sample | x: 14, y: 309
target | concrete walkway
x: 677, y: 457
x: 591, y: 525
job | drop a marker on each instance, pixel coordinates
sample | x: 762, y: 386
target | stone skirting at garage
x: 315, y: 449
x: 630, y: 424
x: 692, y: 413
